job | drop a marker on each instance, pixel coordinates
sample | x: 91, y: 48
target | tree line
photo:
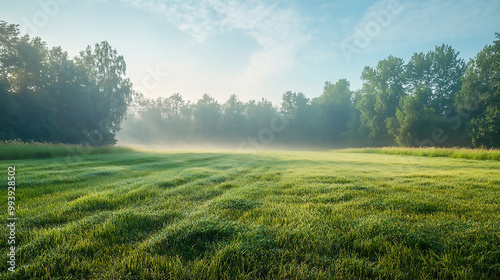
x: 434, y: 99
x: 48, y: 97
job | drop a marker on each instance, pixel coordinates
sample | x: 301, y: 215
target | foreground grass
x: 283, y: 215
x: 477, y: 154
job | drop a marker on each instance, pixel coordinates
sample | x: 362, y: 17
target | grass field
x: 273, y: 215
x: 477, y: 154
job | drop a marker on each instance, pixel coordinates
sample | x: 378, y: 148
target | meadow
x: 128, y: 214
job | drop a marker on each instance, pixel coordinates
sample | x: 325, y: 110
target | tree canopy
x: 46, y: 96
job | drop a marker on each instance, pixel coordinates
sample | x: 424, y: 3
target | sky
x: 255, y: 48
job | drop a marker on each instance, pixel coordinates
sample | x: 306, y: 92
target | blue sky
x: 255, y: 48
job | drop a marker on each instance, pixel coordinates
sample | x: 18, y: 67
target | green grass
x: 15, y: 149
x: 477, y: 154
x: 273, y: 215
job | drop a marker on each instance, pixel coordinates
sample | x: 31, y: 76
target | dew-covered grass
x: 272, y: 215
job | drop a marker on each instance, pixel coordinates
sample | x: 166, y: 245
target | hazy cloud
x: 432, y: 20
x: 278, y: 31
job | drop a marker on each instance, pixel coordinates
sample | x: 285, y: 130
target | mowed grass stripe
x: 274, y: 215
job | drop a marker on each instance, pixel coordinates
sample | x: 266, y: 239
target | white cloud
x: 425, y: 21
x: 279, y: 32
x: 435, y: 19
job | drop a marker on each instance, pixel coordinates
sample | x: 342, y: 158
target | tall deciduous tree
x: 479, y: 97
x: 333, y: 112
x: 296, y: 106
x: 207, y: 117
x: 107, y: 70
x: 383, y: 87
x: 423, y: 118
x: 233, y: 117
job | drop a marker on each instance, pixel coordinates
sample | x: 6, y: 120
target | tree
x: 382, y: 89
x: 8, y: 105
x: 58, y: 99
x: 419, y: 73
x: 258, y: 114
x: 233, y: 117
x: 479, y: 98
x: 207, y: 117
x: 107, y: 71
x: 423, y: 118
x: 293, y: 104
x: 447, y: 70
x: 9, y: 37
x: 25, y: 76
x: 414, y: 121
x: 333, y: 111
x: 176, y: 104
x: 296, y: 106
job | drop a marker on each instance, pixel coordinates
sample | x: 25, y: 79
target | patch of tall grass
x: 17, y: 149
x: 464, y: 153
